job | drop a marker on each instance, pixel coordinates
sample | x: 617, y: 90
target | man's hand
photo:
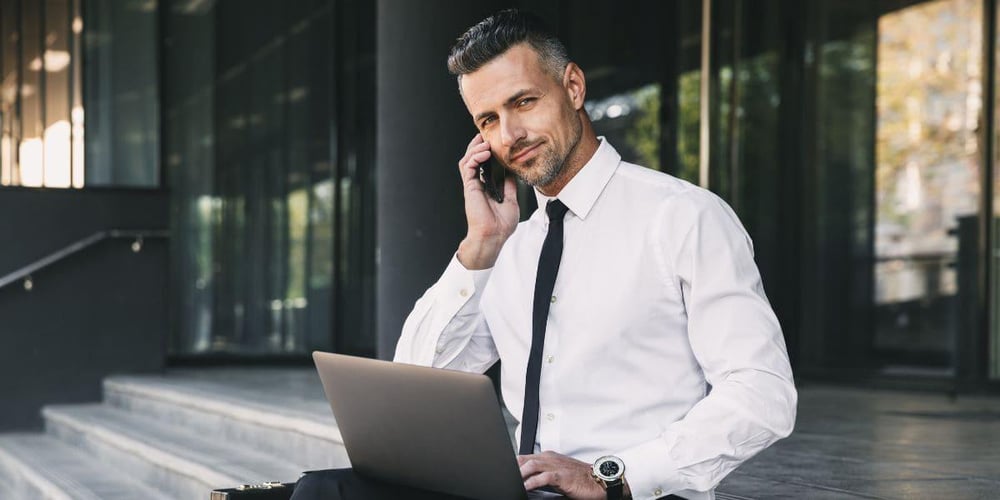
x: 490, y: 223
x: 569, y: 476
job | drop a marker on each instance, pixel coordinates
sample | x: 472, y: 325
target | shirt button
x: 550, y: 359
x: 553, y: 299
x: 464, y: 293
x: 439, y: 350
x: 657, y: 492
x: 550, y: 417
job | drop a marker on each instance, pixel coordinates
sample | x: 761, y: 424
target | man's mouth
x: 523, y: 153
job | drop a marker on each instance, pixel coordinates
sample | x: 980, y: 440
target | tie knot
x: 556, y: 210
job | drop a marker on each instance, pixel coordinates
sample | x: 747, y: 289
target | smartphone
x: 492, y: 174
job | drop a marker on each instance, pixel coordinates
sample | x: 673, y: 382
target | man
x: 627, y: 310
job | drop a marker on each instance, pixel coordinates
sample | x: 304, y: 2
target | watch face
x: 609, y: 468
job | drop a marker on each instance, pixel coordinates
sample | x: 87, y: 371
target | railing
x: 904, y: 277
x: 25, y: 272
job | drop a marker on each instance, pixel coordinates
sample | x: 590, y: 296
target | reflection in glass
x: 837, y: 143
x: 77, y: 166
x: 688, y: 121
x: 927, y: 172
x: 249, y: 141
x: 9, y: 71
x: 41, y: 113
x: 994, y: 318
x: 631, y: 122
x: 642, y: 82
x: 30, y: 150
x: 121, y: 93
x: 56, y: 63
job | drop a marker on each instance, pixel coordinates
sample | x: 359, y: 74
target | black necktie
x: 545, y: 281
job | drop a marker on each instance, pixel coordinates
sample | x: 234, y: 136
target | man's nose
x: 511, y: 130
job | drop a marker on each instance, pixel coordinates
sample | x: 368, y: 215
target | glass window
x: 121, y: 95
x: 634, y: 78
x: 30, y: 149
x: 272, y: 241
x: 994, y: 315
x: 929, y: 98
x: 837, y: 131
x: 849, y: 145
x: 890, y: 186
x: 56, y: 61
x: 42, y: 141
x: 9, y: 80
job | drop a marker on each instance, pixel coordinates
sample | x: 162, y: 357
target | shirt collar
x: 581, y: 192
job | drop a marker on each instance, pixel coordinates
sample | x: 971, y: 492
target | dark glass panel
x: 994, y: 255
x: 121, y: 95
x: 189, y: 157
x: 835, y: 244
x: 262, y: 179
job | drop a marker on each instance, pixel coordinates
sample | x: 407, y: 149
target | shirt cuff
x: 464, y: 284
x: 650, y: 471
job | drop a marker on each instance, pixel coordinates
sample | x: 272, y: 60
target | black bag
x: 261, y: 491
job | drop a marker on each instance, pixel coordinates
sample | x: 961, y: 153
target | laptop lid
x: 434, y: 429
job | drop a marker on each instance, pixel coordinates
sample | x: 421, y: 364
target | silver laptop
x: 428, y: 428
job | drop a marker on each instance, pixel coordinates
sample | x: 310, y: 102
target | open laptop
x: 438, y: 430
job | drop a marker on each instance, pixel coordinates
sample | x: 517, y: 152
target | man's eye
x: 487, y: 121
x: 525, y: 101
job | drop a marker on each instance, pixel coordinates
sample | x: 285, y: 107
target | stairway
x: 177, y: 435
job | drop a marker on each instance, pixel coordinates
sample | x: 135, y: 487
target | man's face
x: 525, y: 113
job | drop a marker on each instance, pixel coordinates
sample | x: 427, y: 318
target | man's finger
x: 472, y: 159
x: 471, y: 167
x: 521, y: 459
x: 547, y: 478
x: 475, y: 140
x: 531, y: 467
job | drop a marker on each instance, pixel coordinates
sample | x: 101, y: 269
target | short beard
x: 550, y: 163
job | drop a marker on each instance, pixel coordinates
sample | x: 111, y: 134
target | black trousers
x: 344, y: 484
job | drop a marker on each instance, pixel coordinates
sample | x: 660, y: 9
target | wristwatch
x: 609, y: 470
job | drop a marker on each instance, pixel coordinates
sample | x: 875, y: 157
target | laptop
x: 428, y: 428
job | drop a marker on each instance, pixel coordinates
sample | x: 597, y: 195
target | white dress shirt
x: 660, y: 348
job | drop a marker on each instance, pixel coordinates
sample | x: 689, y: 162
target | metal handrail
x: 78, y: 246
x: 922, y: 256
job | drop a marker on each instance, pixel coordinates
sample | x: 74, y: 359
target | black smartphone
x: 492, y: 174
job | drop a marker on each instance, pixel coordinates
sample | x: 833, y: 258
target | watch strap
x: 616, y: 490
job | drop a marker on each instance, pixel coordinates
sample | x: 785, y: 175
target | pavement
x: 860, y: 443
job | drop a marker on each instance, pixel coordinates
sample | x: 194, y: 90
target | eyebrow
x: 514, y: 98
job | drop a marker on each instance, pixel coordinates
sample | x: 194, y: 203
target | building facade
x: 299, y: 158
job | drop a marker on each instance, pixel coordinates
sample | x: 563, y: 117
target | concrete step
x: 279, y: 412
x: 179, y: 462
x: 36, y: 466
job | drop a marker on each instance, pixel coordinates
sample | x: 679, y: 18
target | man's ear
x: 575, y: 84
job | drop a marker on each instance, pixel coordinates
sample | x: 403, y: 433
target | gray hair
x: 496, y: 34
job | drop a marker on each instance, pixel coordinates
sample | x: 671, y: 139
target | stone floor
x: 848, y: 443
x: 853, y: 443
